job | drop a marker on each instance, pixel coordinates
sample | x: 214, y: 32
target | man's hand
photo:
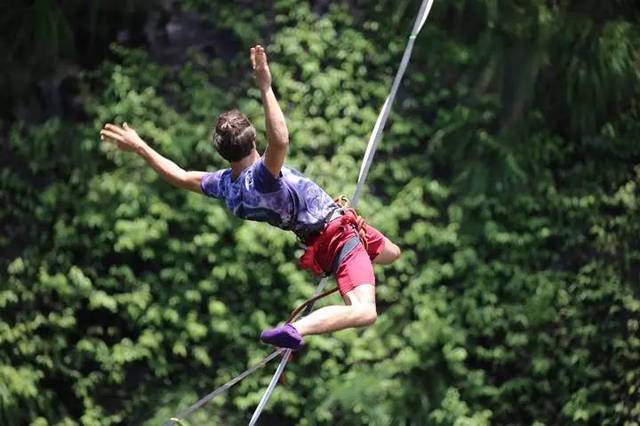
x: 260, y: 67
x: 125, y: 138
x: 277, y: 132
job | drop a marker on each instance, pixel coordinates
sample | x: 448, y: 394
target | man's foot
x: 285, y: 336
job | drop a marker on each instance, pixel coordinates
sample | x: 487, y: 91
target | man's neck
x: 237, y: 167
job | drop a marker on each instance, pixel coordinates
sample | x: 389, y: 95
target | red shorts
x: 356, y: 268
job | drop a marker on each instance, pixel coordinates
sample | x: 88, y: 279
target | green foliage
x: 509, y: 174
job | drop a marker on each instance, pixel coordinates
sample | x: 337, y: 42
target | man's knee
x: 367, y: 314
x: 395, y: 252
x: 389, y: 254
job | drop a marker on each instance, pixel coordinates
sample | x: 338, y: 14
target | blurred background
x: 509, y: 173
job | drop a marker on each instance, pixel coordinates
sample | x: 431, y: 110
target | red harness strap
x: 358, y: 224
x: 329, y: 238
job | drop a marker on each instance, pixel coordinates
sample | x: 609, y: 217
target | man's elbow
x: 182, y: 180
x: 284, y: 143
x: 280, y: 139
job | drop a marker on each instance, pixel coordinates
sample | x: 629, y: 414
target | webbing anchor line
x: 187, y: 412
x: 221, y: 389
x: 376, y: 134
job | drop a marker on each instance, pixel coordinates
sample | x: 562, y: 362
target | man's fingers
x: 258, y: 57
x: 107, y: 134
x: 113, y: 128
x: 261, y: 57
x: 253, y: 57
x: 259, y: 60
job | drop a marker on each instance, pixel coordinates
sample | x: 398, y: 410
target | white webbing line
x: 283, y: 362
x: 186, y: 413
x: 376, y: 134
x: 271, y: 387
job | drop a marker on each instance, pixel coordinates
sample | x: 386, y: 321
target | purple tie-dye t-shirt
x: 291, y: 201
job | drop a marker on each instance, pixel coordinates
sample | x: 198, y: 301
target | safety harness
x: 341, y: 220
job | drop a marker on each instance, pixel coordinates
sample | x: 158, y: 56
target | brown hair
x: 234, y: 137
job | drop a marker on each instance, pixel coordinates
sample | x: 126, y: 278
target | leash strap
x: 283, y: 362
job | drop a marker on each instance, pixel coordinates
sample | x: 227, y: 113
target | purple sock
x: 285, y: 336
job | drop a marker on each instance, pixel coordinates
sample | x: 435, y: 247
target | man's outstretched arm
x: 277, y: 132
x: 127, y: 139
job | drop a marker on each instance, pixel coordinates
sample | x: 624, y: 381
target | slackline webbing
x: 187, y: 412
x: 376, y: 134
x: 300, y: 310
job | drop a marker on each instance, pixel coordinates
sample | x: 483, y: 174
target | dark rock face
x: 45, y: 82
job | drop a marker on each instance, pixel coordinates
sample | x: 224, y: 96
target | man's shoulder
x: 223, y: 174
x: 262, y: 178
x: 213, y: 183
x: 290, y: 172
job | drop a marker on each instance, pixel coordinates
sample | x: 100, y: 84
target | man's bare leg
x: 359, y: 312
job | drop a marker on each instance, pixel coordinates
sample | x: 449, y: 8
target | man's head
x: 234, y: 137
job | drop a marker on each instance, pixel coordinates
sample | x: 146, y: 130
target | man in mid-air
x: 262, y: 188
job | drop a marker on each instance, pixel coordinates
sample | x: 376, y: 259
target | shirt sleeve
x: 210, y: 184
x: 263, y: 180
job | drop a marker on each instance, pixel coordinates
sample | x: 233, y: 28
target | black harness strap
x: 347, y: 248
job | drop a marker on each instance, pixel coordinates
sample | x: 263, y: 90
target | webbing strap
x: 283, y: 362
x: 376, y: 134
x: 296, y: 312
x: 187, y: 412
x: 423, y: 13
